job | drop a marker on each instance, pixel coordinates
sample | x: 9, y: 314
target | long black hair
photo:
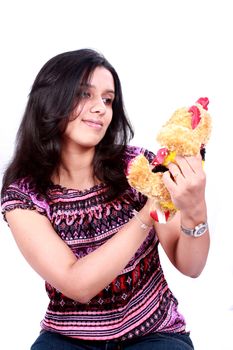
x: 53, y: 96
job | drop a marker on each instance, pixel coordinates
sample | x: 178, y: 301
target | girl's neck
x: 76, y: 170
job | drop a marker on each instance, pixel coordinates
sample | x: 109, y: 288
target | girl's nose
x: 98, y: 106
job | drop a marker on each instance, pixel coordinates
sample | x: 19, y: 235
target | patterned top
x: 136, y: 302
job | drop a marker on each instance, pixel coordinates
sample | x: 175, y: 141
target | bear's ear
x: 203, y: 152
x: 203, y: 101
x: 196, y: 116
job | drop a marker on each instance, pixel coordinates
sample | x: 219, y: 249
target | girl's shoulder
x: 22, y: 194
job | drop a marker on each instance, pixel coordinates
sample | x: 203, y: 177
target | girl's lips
x: 93, y: 123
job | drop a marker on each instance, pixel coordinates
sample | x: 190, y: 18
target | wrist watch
x: 197, y: 231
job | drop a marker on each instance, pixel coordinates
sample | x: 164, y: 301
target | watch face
x: 200, y: 230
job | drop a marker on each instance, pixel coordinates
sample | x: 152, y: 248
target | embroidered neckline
x: 66, y: 190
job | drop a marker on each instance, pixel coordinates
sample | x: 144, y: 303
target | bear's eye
x: 159, y: 169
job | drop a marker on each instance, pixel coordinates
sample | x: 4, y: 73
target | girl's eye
x: 85, y: 94
x: 107, y: 101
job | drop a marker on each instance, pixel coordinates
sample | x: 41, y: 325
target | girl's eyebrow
x: 87, y: 85
x: 110, y: 92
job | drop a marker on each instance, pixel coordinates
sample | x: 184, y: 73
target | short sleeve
x: 133, y: 151
x: 21, y: 194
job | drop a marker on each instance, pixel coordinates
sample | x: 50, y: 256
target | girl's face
x: 91, y: 118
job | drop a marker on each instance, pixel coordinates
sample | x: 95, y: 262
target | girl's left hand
x: 186, y: 182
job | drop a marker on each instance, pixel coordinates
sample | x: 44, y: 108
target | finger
x: 189, y: 165
x: 175, y: 172
x: 170, y: 183
x: 195, y: 163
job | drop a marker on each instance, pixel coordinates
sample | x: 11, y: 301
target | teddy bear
x: 186, y: 133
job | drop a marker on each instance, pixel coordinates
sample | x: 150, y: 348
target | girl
x: 81, y: 226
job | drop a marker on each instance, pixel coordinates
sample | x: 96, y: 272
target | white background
x: 167, y: 54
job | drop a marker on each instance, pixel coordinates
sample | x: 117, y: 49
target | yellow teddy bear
x: 185, y: 133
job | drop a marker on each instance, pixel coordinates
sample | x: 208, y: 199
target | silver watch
x: 197, y: 231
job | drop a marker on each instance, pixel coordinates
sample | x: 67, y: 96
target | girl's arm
x: 187, y: 189
x: 78, y: 279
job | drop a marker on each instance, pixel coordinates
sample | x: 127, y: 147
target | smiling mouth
x: 93, y: 123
